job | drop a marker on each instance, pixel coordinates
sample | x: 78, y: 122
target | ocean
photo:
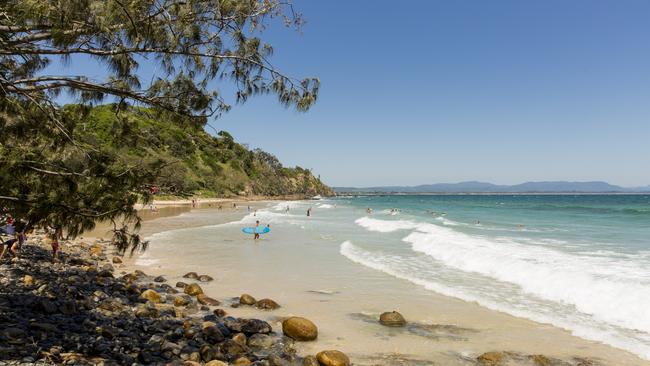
x: 578, y: 262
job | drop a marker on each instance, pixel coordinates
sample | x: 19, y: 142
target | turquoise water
x: 581, y: 262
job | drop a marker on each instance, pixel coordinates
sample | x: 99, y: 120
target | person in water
x: 257, y: 234
x: 309, y: 212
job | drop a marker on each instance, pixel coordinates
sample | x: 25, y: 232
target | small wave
x: 325, y: 205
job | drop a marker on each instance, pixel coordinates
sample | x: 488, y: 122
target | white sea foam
x: 532, y: 307
x: 325, y: 205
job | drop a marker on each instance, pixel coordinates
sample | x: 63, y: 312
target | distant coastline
x: 474, y: 187
x: 350, y: 194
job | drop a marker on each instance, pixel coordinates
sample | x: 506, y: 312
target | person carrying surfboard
x: 257, y: 234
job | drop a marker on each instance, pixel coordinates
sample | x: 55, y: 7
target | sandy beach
x: 345, y: 300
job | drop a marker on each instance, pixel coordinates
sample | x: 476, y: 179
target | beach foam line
x: 578, y: 324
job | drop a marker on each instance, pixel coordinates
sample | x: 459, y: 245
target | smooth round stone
x: 392, y: 319
x: 300, y: 329
x: 333, y: 358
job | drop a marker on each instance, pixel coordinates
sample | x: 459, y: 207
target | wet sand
x: 345, y: 299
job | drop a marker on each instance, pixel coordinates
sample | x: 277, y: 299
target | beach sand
x: 345, y: 299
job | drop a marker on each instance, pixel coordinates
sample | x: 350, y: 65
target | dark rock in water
x: 193, y: 289
x: 232, y: 350
x: 247, y: 326
x: 117, y: 260
x: 333, y: 358
x: 206, y: 300
x: 392, y: 319
x: 205, y: 278
x: 267, y: 304
x: 300, y: 329
x: 208, y: 353
x: 260, y: 341
x: 160, y: 279
x: 181, y: 284
x: 247, y: 299
x: 192, y: 275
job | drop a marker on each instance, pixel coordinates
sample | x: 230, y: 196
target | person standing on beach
x: 10, y: 230
x: 54, y: 241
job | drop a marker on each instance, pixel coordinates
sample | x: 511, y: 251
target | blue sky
x: 442, y: 91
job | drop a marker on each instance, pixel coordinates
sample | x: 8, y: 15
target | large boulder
x: 392, y: 319
x: 300, y: 329
x: 151, y: 295
x: 267, y: 304
x: 333, y: 358
x: 247, y: 299
x: 193, y: 289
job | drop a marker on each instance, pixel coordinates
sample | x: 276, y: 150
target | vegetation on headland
x: 198, y: 163
x: 55, y: 172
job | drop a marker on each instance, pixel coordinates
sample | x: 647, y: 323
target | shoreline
x: 605, y: 353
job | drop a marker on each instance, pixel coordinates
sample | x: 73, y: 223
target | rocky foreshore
x: 82, y: 310
x: 85, y: 308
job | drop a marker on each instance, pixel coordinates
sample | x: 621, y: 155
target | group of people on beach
x: 14, y: 232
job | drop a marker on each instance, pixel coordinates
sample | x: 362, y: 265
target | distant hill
x: 482, y: 187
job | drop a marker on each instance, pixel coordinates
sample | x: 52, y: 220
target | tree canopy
x: 53, y: 173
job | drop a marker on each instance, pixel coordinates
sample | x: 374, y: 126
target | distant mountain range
x: 482, y: 187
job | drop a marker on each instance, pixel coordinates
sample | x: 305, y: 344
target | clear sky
x: 417, y: 92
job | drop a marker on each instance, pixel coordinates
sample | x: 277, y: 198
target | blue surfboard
x: 258, y: 230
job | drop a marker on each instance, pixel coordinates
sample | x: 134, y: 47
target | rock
x: 191, y: 275
x: 151, y: 295
x: 242, y: 361
x: 392, y: 319
x: 144, y: 311
x: 96, y: 250
x: 205, y: 278
x: 191, y: 363
x: 212, y: 334
x: 255, y: 326
x: 219, y: 312
x: 68, y: 308
x: 240, y: 338
x: 206, y: 300
x: 216, y: 363
x: 541, y: 360
x: 28, y: 280
x: 193, y: 289
x: 260, y: 341
x: 182, y: 300
x: 159, y: 279
x: 300, y: 329
x: 14, y: 335
x: 491, y: 358
x: 267, y: 304
x: 246, y: 299
x: 310, y: 361
x: 231, y: 349
x: 181, y: 284
x: 117, y: 260
x: 332, y: 358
